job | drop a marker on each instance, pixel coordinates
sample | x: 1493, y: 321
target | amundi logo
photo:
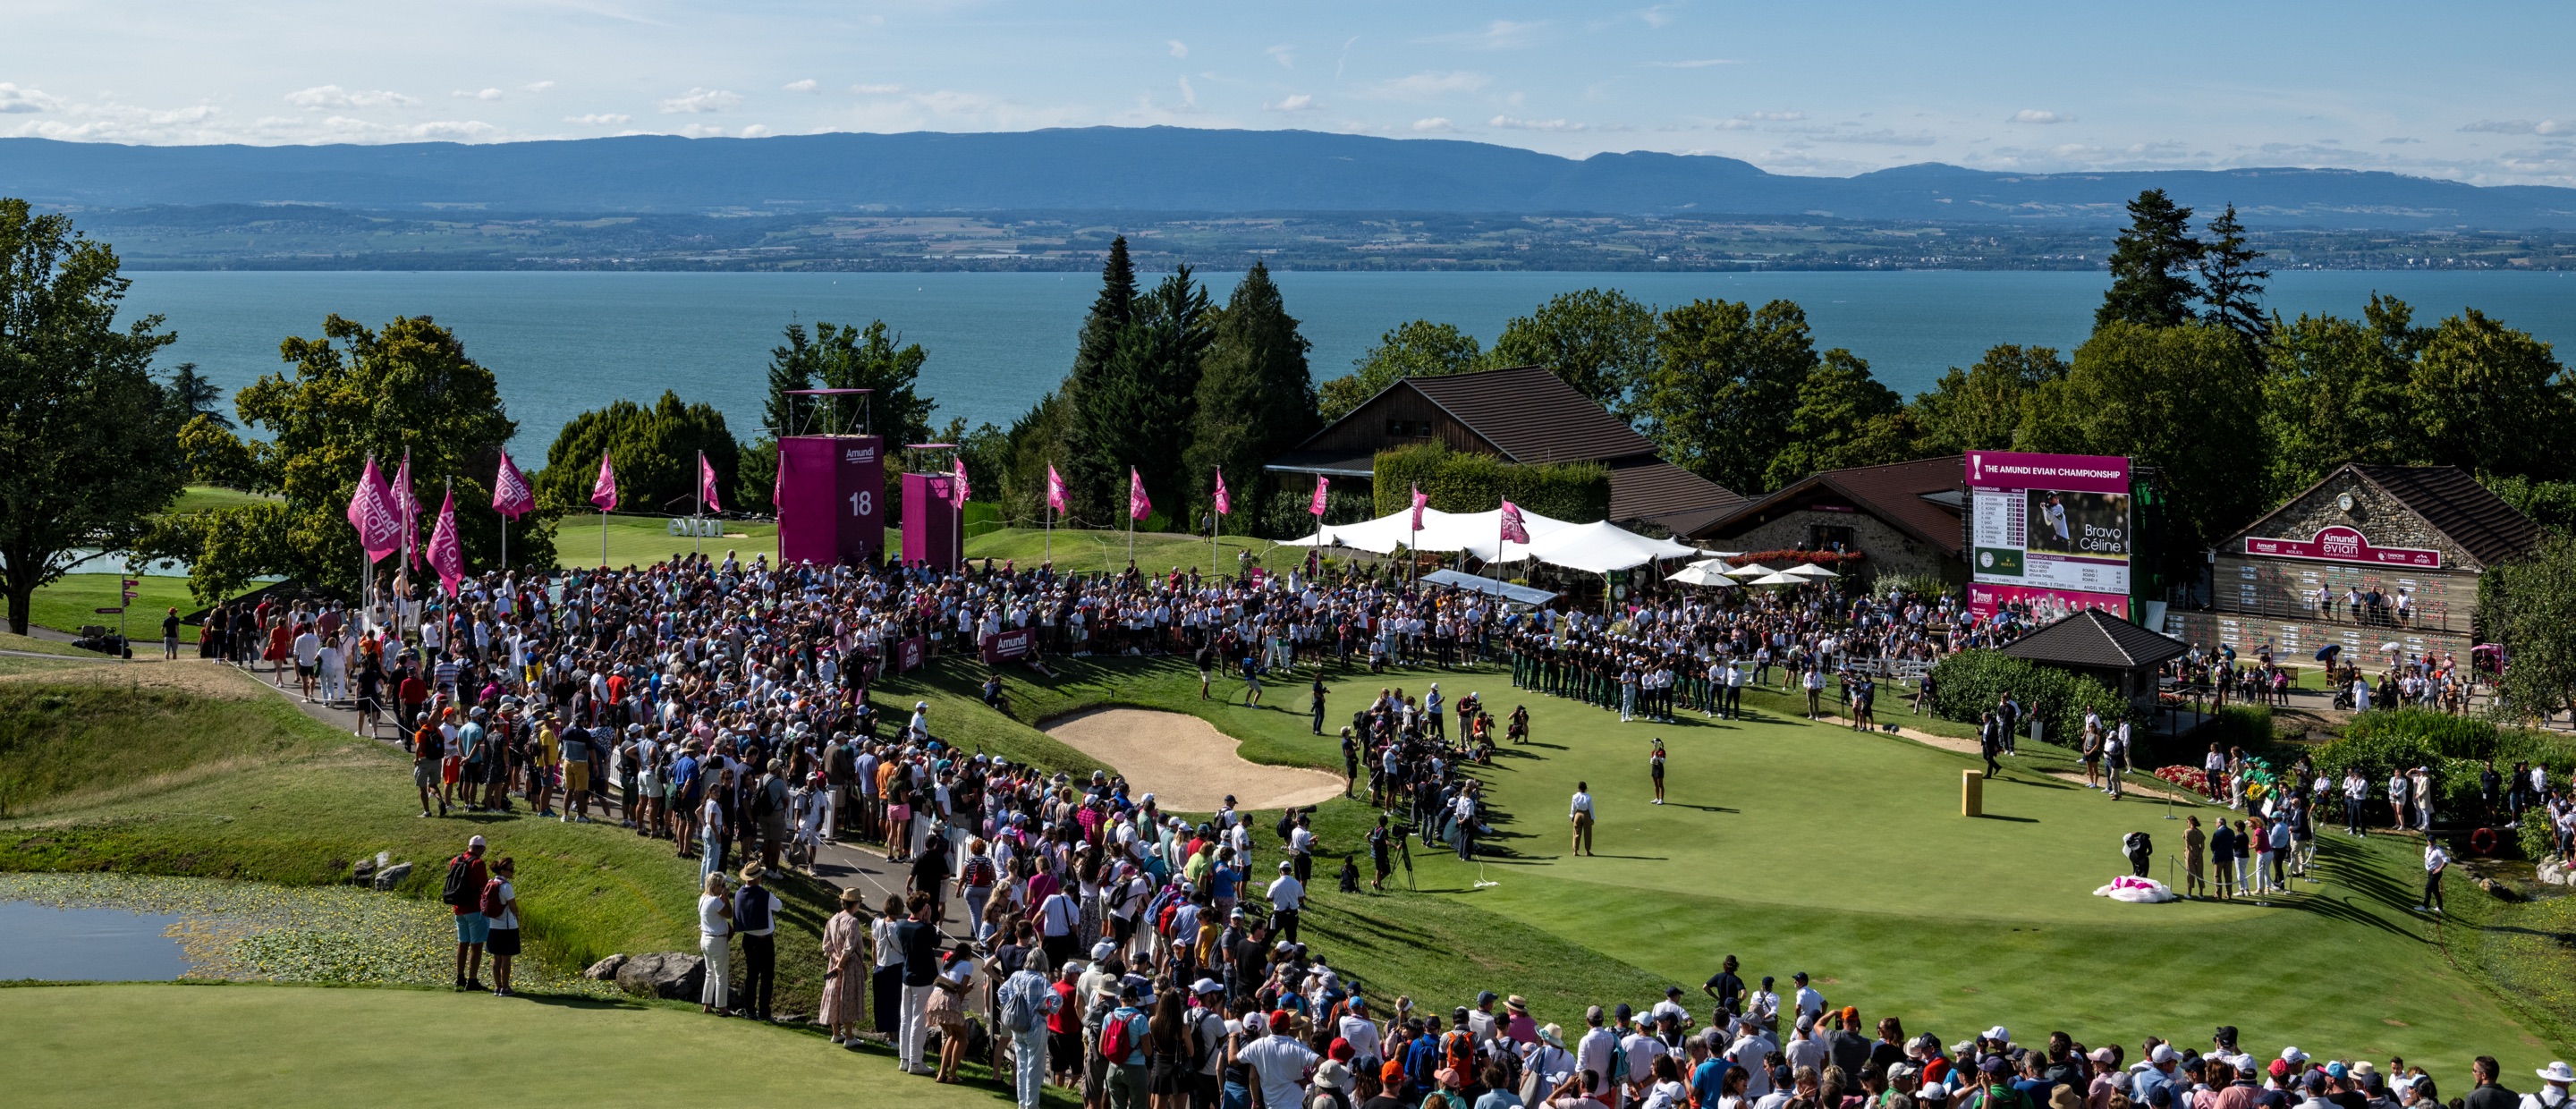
x: 854, y: 456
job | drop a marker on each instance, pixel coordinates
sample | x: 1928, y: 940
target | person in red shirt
x: 1064, y: 1027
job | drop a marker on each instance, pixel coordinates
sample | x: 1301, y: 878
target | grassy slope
x: 1087, y: 551
x: 269, y: 1046
x: 61, y: 746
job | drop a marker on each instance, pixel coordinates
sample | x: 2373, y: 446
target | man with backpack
x: 1122, y: 1047
x: 1025, y: 1001
x: 463, y: 893
x: 769, y: 812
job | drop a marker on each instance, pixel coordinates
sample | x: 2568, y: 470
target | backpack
x: 492, y: 904
x: 1287, y: 823
x: 1020, y: 1004
x: 1459, y: 1048
x: 455, y: 893
x: 1118, y: 1038
x: 761, y: 804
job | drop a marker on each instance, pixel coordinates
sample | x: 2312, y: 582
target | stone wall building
x: 1903, y: 518
x: 2368, y: 556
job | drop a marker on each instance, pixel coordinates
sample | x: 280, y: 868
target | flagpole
x: 697, y: 526
x: 1215, y: 521
x: 603, y: 539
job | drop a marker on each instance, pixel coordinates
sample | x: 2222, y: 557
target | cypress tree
x: 2232, y: 286
x: 1256, y: 397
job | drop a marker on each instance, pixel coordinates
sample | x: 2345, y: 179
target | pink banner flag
x: 1418, y: 502
x: 1224, y: 504
x: 1514, y: 531
x: 1137, y: 505
x: 409, y: 506
x: 511, y: 496
x: 604, y: 491
x: 372, y: 512
x: 961, y: 483
x: 1317, y: 509
x: 1055, y: 488
x: 445, y: 555
x: 707, y: 484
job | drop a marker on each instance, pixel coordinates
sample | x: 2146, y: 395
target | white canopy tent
x: 1476, y: 533
x: 1602, y: 547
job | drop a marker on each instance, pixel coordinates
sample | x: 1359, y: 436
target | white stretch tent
x: 1476, y: 533
x: 1602, y: 547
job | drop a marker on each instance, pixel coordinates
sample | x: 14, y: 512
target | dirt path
x: 1186, y: 763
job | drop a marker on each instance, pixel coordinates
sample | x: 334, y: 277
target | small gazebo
x: 2119, y: 654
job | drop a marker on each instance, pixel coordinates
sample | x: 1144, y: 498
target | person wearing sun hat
x: 2558, y: 1076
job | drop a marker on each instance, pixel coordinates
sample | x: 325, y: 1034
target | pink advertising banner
x: 1001, y: 647
x: 2046, y: 606
x: 910, y: 653
x: 2070, y: 473
x: 2338, y: 543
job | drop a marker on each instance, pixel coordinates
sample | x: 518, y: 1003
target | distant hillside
x: 1165, y: 169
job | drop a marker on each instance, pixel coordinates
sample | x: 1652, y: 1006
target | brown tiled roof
x: 2096, y: 638
x: 1658, y: 490
x: 1532, y: 415
x: 1893, y: 492
x: 2469, y: 513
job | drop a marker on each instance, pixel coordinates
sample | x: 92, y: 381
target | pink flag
x: 1224, y: 505
x: 707, y: 483
x: 445, y: 555
x: 409, y: 506
x: 1137, y: 505
x: 961, y: 483
x: 511, y: 496
x: 1513, y: 530
x: 604, y: 491
x: 1317, y: 509
x: 1055, y: 489
x: 1418, y: 501
x: 372, y: 512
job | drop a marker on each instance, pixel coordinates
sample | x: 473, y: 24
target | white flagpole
x: 697, y: 526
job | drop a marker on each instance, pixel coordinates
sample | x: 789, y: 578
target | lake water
x: 562, y: 343
x: 87, y: 944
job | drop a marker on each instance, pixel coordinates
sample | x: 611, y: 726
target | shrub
x: 1463, y: 481
x: 2537, y: 839
x: 1970, y: 682
x: 2239, y: 725
x: 2383, y: 740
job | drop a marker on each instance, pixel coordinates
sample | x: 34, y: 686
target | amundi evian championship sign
x: 2051, y: 529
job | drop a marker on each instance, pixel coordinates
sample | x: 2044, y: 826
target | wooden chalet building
x: 1902, y: 517
x: 1524, y: 414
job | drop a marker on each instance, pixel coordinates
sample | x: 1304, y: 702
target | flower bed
x: 2189, y: 777
x: 1831, y: 560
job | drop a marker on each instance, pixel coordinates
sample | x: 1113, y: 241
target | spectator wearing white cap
x: 2557, y: 1076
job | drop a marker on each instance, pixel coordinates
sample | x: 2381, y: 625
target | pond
x: 71, y: 944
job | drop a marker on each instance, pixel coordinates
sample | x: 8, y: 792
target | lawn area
x: 201, y: 498
x: 73, y: 600
x: 644, y: 540
x: 1105, y: 551
x: 265, y: 1046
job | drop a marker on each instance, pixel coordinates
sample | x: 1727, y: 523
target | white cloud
x: 757, y: 131
x: 1302, y: 102
x: 807, y: 85
x: 1189, y: 96
x: 601, y: 119
x: 1658, y: 15
x: 536, y: 86
x: 486, y: 94
x: 18, y: 101
x: 333, y: 96
x: 1881, y: 137
x: 1738, y: 124
x: 1434, y: 124
x: 876, y: 90
x: 1286, y: 56
x: 1501, y: 34
x: 1179, y: 49
x: 1772, y: 117
x: 1696, y: 63
x: 454, y: 129
x: 2521, y: 127
x: 701, y: 100
x: 2034, y: 115
x: 1431, y: 83
x: 2400, y: 141
x: 1517, y: 124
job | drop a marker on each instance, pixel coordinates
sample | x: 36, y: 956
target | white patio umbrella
x: 1811, y: 570
x: 1709, y: 572
x: 1781, y: 579
x: 1749, y: 570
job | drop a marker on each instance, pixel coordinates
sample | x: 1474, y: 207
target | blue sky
x: 2479, y: 92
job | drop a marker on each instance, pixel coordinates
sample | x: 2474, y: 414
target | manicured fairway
x: 269, y: 1046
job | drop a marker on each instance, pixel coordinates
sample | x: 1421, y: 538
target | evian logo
x: 855, y: 456
x: 2339, y: 543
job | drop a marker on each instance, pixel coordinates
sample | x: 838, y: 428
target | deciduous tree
x: 1600, y: 341
x: 1725, y: 386
x: 1980, y: 408
x: 1417, y: 349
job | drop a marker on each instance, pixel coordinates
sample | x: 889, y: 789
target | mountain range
x: 1171, y: 169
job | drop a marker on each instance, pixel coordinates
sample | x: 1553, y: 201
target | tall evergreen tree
x: 195, y: 396
x: 2151, y: 266
x: 2230, y: 286
x: 1256, y: 396
x: 1137, y: 412
x: 1089, y: 462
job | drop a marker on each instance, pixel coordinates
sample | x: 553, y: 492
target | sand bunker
x: 1186, y: 763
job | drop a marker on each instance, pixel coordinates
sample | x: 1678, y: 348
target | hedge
x: 1969, y: 683
x: 2455, y: 748
x: 1464, y: 481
